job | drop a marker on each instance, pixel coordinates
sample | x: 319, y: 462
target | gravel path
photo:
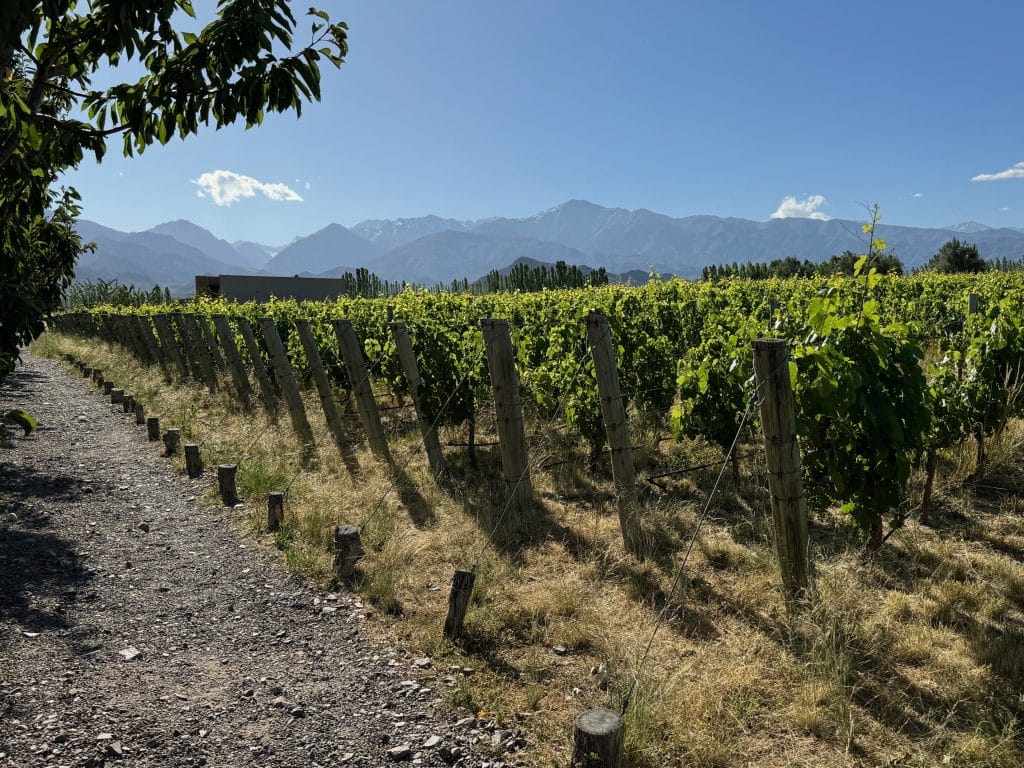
x: 137, y: 629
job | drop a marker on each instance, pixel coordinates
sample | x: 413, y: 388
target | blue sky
x: 472, y: 109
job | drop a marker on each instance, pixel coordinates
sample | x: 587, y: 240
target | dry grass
x: 914, y: 658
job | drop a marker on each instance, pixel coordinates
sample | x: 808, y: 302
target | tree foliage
x: 237, y: 68
x: 955, y: 257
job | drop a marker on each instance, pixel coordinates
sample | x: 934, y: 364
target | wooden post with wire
x: 597, y: 739
x: 973, y: 303
x: 323, y: 384
x: 289, y: 387
x: 362, y: 388
x: 616, y: 426
x: 226, y: 484
x: 428, y: 429
x: 169, y: 343
x: 203, y: 352
x: 275, y: 510
x: 259, y: 369
x: 458, y: 603
x: 508, y: 407
x: 785, y: 484
x: 193, y: 460
x: 210, y: 337
x: 234, y: 360
x: 189, y: 351
x: 144, y: 326
x: 348, y: 549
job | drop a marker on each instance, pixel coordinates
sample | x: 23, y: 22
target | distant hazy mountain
x: 323, y: 250
x: 391, y: 233
x: 622, y: 240
x: 192, y: 234
x: 447, y: 256
x: 145, y: 259
x: 254, y: 254
x: 431, y: 249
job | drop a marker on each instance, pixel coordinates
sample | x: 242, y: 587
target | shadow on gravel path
x: 39, y: 570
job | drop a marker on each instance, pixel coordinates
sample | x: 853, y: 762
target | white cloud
x: 918, y: 194
x: 227, y: 187
x: 1016, y: 172
x: 791, y: 208
x: 1004, y: 209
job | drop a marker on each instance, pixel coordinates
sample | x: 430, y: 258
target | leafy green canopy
x: 240, y: 66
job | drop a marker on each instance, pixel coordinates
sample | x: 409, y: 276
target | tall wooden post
x: 202, y: 347
x: 323, y: 385
x: 128, y: 337
x: 778, y: 422
x: 428, y: 428
x: 259, y: 369
x: 616, y: 426
x: 144, y: 326
x: 189, y: 350
x: 362, y: 389
x: 973, y: 303
x: 508, y: 408
x: 289, y: 387
x: 210, y: 338
x: 234, y: 360
x: 170, y: 344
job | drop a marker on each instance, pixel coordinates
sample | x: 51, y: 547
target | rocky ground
x: 137, y: 628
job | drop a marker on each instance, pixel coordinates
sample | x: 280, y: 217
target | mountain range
x: 431, y: 249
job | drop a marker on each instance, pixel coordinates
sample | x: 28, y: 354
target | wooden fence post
x: 210, y: 338
x: 193, y: 460
x: 172, y: 437
x: 778, y: 423
x: 973, y: 303
x: 275, y: 510
x: 203, y: 352
x: 597, y: 740
x: 153, y: 428
x: 140, y: 414
x: 259, y: 370
x: 508, y: 408
x: 458, y: 603
x: 128, y: 404
x: 189, y: 353
x: 362, y: 389
x: 323, y: 385
x: 116, y: 396
x: 226, y: 483
x: 170, y: 346
x: 145, y: 327
x: 289, y: 387
x: 428, y: 428
x: 616, y: 426
x: 348, y: 549
x: 234, y: 360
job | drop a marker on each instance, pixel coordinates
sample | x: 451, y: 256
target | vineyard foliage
x: 886, y: 368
